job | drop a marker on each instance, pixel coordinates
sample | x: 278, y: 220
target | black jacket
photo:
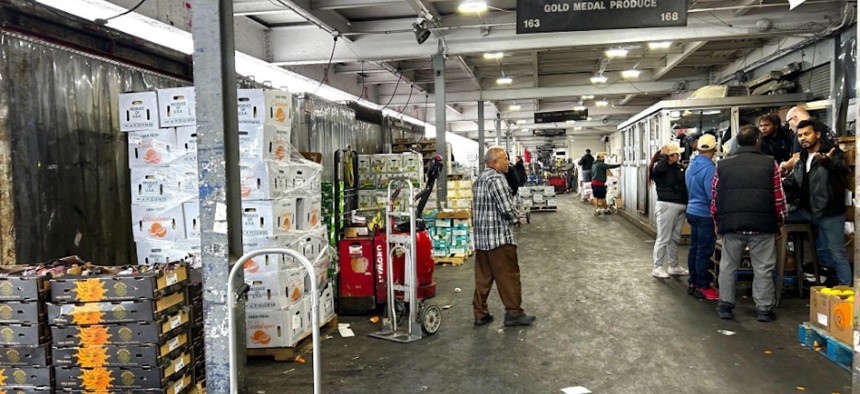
x: 745, y: 200
x: 822, y: 189
x: 513, y: 179
x: 521, y: 173
x: 586, y: 162
x: 669, y: 178
x: 779, y: 146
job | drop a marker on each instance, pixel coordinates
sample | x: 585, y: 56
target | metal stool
x: 802, y: 232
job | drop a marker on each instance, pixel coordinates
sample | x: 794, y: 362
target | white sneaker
x: 678, y: 271
x: 659, y: 273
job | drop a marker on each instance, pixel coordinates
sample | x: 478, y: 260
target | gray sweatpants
x: 670, y: 219
x: 763, y: 256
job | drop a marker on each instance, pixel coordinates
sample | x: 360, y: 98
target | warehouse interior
x: 361, y: 79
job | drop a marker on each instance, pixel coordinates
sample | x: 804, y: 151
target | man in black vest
x: 819, y: 181
x: 586, y: 162
x: 748, y: 206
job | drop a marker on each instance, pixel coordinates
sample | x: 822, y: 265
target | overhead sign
x: 561, y: 116
x: 543, y: 16
x: 549, y: 132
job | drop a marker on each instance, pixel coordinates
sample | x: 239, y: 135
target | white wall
x: 576, y: 146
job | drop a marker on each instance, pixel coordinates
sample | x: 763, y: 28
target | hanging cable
x: 362, y: 81
x: 100, y: 21
x: 325, y: 73
x: 411, y: 88
x: 399, y: 78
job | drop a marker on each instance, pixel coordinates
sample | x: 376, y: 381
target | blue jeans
x: 702, y: 241
x: 830, y: 243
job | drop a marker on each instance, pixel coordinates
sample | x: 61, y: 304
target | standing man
x: 819, y: 181
x: 748, y: 207
x: 586, y: 162
x: 793, y: 117
x: 598, y: 182
x: 521, y: 171
x: 700, y: 181
x: 495, y: 246
x: 775, y: 141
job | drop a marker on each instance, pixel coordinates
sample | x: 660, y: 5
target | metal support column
x: 481, y: 148
x: 498, y: 130
x: 219, y: 192
x: 508, y: 139
x: 855, y: 372
x: 441, y: 127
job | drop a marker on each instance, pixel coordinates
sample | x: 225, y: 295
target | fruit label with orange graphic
x: 278, y: 107
x: 158, y: 223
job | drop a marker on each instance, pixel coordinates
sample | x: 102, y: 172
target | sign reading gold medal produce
x: 543, y: 16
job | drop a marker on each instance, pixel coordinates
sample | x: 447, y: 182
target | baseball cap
x: 672, y: 149
x: 706, y: 142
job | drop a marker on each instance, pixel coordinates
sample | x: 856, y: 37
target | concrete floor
x: 603, y: 323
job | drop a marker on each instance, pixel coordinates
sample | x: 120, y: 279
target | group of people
x: 743, y: 199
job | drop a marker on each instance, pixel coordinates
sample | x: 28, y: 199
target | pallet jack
x: 405, y: 306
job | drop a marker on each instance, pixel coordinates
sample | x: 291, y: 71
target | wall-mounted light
x: 660, y: 45
x: 472, y: 6
x: 616, y: 52
x: 630, y: 74
x: 598, y: 79
x: 601, y: 103
x: 494, y: 55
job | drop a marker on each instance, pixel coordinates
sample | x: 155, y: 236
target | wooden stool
x: 803, y: 233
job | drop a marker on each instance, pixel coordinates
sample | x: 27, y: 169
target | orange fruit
x: 261, y: 337
x: 251, y: 266
x: 152, y: 157
x: 280, y: 116
x: 157, y: 230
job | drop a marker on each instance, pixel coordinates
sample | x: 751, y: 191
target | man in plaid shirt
x: 748, y: 207
x: 496, y: 248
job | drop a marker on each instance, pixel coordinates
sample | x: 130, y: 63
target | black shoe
x: 726, y: 311
x: 484, y: 320
x: 765, y: 316
x: 521, y: 320
x: 691, y: 290
x: 697, y: 294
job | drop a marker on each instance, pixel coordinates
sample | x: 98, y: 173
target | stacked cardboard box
x: 832, y: 310
x: 460, y: 195
x: 25, y: 341
x: 121, y: 328
x: 451, y: 232
x: 376, y: 171
x: 197, y: 333
x: 537, y: 197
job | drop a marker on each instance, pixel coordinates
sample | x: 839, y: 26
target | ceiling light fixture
x: 588, y: 97
x: 588, y: 118
x: 580, y: 107
x: 660, y: 45
x: 598, y: 79
x: 472, y: 6
x: 570, y: 121
x: 601, y: 103
x: 630, y: 74
x: 514, y: 107
x: 578, y: 128
x: 503, y: 80
x: 616, y: 52
x: 494, y: 55
x: 521, y: 121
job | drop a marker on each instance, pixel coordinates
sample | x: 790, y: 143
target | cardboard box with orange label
x: 819, y: 307
x: 158, y: 223
x: 263, y: 143
x: 152, y: 148
x: 842, y: 314
x: 177, y: 106
x: 278, y: 107
x: 308, y: 213
x: 275, y: 328
x: 268, y: 218
x: 138, y: 111
x: 277, y: 290
x: 263, y: 180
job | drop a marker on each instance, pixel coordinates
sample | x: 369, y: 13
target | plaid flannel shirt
x: 494, y: 211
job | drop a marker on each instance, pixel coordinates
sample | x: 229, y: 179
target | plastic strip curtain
x: 69, y: 164
x: 333, y: 126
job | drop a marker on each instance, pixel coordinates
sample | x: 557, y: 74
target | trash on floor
x: 288, y: 371
x: 457, y: 289
x: 344, y: 330
x: 768, y: 352
x: 446, y: 307
x: 374, y: 319
x: 726, y: 332
x: 300, y: 360
x: 576, y: 390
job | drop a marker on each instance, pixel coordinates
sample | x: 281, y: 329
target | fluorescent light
x: 578, y: 128
x: 588, y: 118
x: 570, y: 121
x: 630, y: 74
x: 616, y: 52
x: 504, y: 80
x: 526, y: 129
x: 711, y: 112
x: 494, y: 55
x: 601, y: 103
x: 468, y: 6
x: 521, y: 121
x: 598, y: 79
x: 514, y: 107
x: 588, y: 97
x: 660, y: 45
x: 579, y: 108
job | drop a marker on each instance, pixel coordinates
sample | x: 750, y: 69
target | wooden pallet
x: 303, y: 346
x: 820, y: 341
x: 452, y: 260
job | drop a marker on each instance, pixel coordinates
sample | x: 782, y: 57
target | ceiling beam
x: 745, y: 3
x: 343, y: 4
x: 393, y: 39
x: 676, y: 58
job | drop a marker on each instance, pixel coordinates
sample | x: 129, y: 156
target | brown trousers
x: 499, y: 265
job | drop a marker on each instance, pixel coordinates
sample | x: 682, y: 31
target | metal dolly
x: 233, y: 296
x: 423, y: 319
